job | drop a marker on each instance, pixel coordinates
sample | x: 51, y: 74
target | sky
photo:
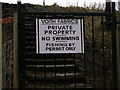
x: 59, y: 2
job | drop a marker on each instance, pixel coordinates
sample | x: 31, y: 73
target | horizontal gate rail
x: 70, y: 13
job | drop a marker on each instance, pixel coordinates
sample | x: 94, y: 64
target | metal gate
x: 96, y: 68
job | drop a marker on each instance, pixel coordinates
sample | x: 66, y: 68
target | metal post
x: 114, y: 48
x: 108, y: 6
x: 21, y: 84
x: 108, y: 9
x: 19, y: 66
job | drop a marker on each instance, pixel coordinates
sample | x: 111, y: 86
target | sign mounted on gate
x: 59, y: 36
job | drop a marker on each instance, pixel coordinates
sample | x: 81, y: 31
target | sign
x: 59, y: 36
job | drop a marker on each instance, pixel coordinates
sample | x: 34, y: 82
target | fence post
x: 108, y: 6
x: 15, y: 52
x: 108, y: 9
x: 114, y: 47
x: 21, y: 76
x: 118, y: 55
x: 19, y: 27
x: 0, y: 46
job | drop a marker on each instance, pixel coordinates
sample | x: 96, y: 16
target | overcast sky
x: 59, y: 2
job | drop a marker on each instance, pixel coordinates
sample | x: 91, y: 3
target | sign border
x: 82, y: 41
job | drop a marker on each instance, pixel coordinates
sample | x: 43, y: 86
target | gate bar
x: 114, y: 48
x: 21, y: 75
x: 70, y: 13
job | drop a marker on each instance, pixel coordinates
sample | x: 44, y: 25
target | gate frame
x: 21, y: 47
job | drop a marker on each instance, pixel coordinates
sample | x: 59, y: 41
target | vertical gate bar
x: 37, y: 43
x: 82, y: 42
x: 93, y: 52
x: 103, y: 54
x: 65, y: 71
x: 36, y: 22
x: 75, y: 69
x: 19, y: 43
x: 35, y: 71
x: 21, y: 52
x: 55, y: 72
x: 38, y: 46
x: 84, y: 53
x: 114, y: 47
x: 45, y: 72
